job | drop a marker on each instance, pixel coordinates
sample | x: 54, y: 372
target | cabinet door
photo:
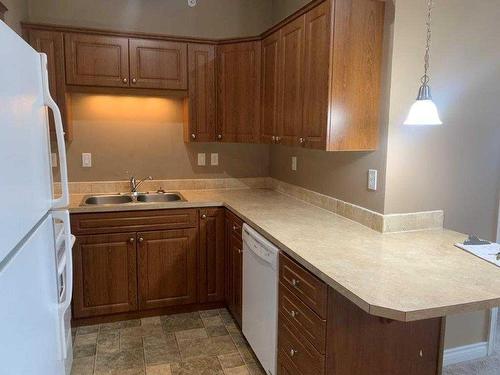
x: 96, y: 60
x: 211, y: 264
x: 52, y: 44
x: 238, y: 99
x: 201, y: 66
x: 158, y: 64
x: 291, y: 81
x: 105, y: 273
x: 237, y: 277
x: 270, y: 74
x: 316, y: 74
x: 167, y: 268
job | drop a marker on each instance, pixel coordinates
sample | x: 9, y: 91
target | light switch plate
x: 201, y: 160
x: 372, y: 179
x: 86, y: 160
x: 294, y: 163
x: 214, y: 158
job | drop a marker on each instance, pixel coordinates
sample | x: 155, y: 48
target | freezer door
x: 26, y: 187
x: 29, y: 320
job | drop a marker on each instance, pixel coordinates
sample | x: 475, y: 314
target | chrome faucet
x: 134, y: 184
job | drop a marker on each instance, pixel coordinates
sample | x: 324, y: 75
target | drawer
x: 300, y: 353
x: 133, y: 221
x: 303, y: 321
x: 235, y: 225
x: 307, y: 287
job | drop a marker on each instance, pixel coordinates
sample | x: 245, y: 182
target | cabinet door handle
x: 273, y: 138
x: 240, y: 251
x: 295, y: 282
x: 293, y: 313
x: 125, y: 80
x: 203, y: 216
x: 131, y: 239
x: 293, y: 352
x: 193, y: 136
x: 278, y: 139
x: 219, y: 136
x: 134, y: 80
x: 302, y: 141
x: 141, y: 239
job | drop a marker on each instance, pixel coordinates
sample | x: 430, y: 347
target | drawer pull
x: 295, y: 282
x: 293, y: 313
x: 293, y: 352
x: 131, y: 239
x: 203, y: 216
x: 141, y: 239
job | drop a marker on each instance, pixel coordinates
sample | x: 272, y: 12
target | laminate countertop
x: 403, y: 276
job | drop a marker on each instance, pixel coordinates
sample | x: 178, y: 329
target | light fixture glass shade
x: 423, y: 112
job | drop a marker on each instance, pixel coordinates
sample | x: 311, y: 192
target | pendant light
x: 424, y: 111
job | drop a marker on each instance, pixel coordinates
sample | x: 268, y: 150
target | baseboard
x: 465, y: 353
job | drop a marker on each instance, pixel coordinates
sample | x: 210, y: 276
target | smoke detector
x: 192, y: 3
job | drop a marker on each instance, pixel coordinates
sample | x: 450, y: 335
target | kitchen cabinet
x: 3, y: 10
x: 234, y: 265
x: 167, y: 262
x: 52, y: 44
x: 158, y: 64
x: 201, y: 124
x: 290, y: 102
x: 270, y: 85
x: 105, y: 279
x: 212, y: 255
x: 238, y: 92
x: 96, y: 60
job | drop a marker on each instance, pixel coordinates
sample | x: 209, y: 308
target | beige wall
x: 283, y: 8
x: 210, y: 18
x: 17, y: 12
x: 143, y: 136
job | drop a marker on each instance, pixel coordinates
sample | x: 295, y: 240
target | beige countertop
x: 403, y: 276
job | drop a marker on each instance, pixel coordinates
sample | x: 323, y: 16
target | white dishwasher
x: 260, y: 297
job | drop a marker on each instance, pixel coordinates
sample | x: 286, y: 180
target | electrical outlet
x: 53, y: 160
x: 86, y: 160
x: 372, y: 179
x: 201, y: 160
x: 294, y: 163
x: 214, y: 159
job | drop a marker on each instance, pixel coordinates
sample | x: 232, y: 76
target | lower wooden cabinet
x: 105, y: 280
x: 167, y: 263
x: 234, y: 265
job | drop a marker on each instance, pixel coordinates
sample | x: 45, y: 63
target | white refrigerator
x: 35, y: 239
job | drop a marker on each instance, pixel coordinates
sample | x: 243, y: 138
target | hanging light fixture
x: 424, y: 111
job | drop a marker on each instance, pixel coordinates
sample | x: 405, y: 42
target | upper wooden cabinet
x: 52, y: 44
x: 290, y: 101
x: 201, y: 121
x: 238, y: 99
x: 158, y: 64
x: 270, y: 82
x: 96, y: 60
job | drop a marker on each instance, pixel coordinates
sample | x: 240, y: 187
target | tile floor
x: 205, y: 342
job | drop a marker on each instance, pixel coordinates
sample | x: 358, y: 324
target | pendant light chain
x: 425, y: 78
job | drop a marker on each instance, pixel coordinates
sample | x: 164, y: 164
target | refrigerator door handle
x: 63, y: 200
x: 68, y: 255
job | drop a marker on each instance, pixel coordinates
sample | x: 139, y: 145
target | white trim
x: 465, y: 353
x: 492, y: 336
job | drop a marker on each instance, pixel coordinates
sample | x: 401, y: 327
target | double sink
x: 136, y: 198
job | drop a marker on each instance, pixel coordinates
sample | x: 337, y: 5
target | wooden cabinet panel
x: 211, y: 265
x: 52, y: 44
x: 300, y: 353
x: 202, y: 110
x: 303, y: 321
x: 291, y: 81
x: 167, y: 262
x: 307, y: 287
x: 158, y: 64
x: 356, y: 70
x: 96, y: 60
x: 270, y: 85
x: 234, y: 265
x: 316, y: 74
x: 359, y: 343
x: 238, y: 99
x: 104, y: 275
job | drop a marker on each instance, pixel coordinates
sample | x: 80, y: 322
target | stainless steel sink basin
x: 159, y: 197
x: 109, y: 199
